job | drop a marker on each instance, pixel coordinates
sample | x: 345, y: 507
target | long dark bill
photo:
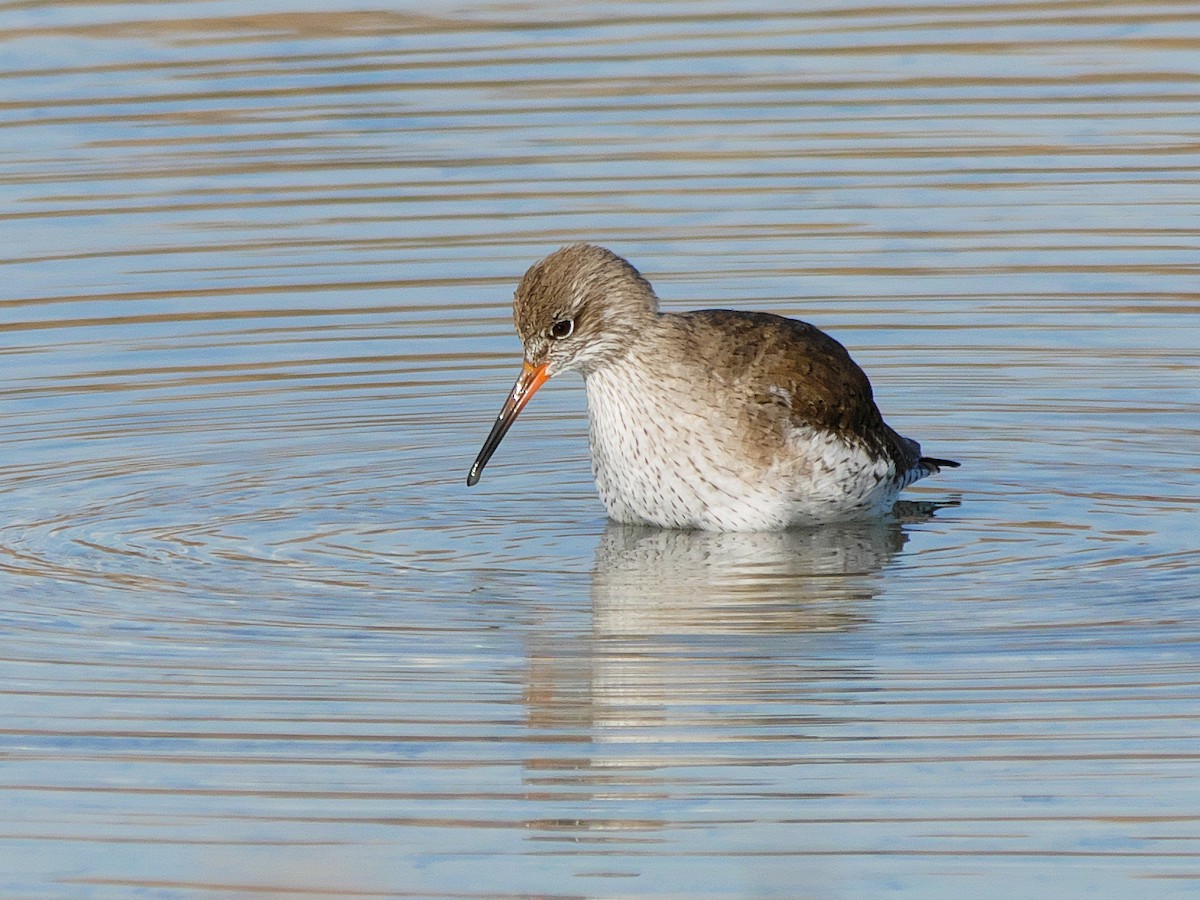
x: 531, y: 378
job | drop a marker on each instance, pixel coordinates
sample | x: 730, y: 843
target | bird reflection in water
x: 702, y: 637
x: 649, y: 581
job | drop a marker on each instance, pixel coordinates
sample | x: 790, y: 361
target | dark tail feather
x: 935, y: 465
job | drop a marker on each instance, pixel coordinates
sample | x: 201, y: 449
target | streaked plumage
x: 714, y: 419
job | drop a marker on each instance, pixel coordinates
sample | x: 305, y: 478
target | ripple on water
x: 258, y: 636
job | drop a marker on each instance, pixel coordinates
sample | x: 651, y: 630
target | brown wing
x: 788, y: 367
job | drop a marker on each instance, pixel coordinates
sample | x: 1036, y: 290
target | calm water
x: 258, y: 638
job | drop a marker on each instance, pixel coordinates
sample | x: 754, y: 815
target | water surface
x: 259, y: 638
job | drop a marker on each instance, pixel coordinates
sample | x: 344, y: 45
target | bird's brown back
x: 787, y: 368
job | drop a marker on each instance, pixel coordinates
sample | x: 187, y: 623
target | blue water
x: 259, y: 638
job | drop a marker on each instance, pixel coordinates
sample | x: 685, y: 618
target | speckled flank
x: 688, y: 469
x: 719, y: 420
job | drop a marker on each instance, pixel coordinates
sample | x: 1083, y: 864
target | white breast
x: 668, y: 457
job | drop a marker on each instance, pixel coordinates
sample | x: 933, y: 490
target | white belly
x: 673, y: 461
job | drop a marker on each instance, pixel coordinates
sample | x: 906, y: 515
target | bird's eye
x: 562, y: 329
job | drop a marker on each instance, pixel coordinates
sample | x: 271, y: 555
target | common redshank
x: 713, y: 419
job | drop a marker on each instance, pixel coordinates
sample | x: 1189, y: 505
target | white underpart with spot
x: 658, y: 462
